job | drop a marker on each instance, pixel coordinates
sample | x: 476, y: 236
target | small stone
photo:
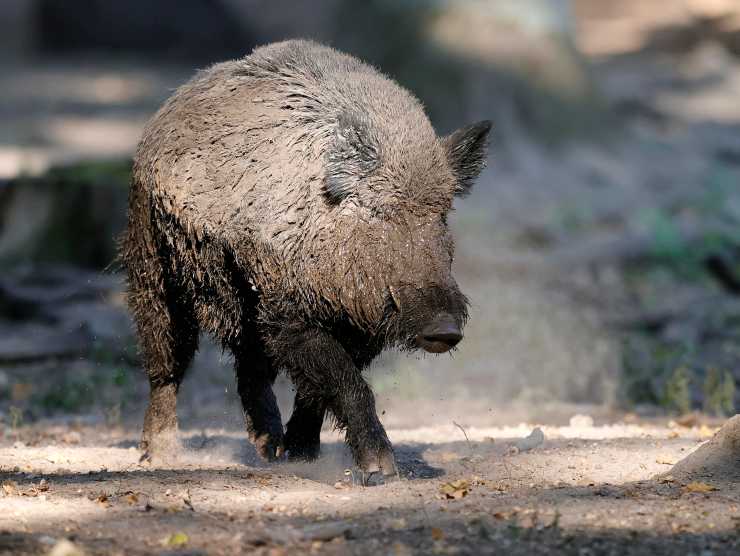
x: 535, y: 439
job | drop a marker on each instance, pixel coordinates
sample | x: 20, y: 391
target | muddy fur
x: 293, y: 204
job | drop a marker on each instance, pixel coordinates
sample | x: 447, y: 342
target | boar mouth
x: 440, y: 335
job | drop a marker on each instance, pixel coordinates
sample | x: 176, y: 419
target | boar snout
x: 440, y: 335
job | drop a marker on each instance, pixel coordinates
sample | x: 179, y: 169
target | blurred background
x: 600, y: 249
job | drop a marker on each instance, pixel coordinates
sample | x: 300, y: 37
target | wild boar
x: 293, y: 204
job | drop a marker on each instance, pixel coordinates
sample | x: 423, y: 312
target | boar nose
x: 441, y: 335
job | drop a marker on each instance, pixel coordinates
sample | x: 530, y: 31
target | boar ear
x: 466, y: 150
x: 352, y: 156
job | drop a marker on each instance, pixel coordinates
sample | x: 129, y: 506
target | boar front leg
x: 319, y: 365
x: 303, y: 431
x: 255, y: 376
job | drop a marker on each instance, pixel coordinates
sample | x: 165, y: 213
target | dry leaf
x: 700, y: 487
x: 454, y: 490
x: 10, y: 488
x: 131, y: 498
x: 688, y: 420
x: 663, y: 460
x: 437, y: 534
x: 36, y: 490
x: 176, y: 539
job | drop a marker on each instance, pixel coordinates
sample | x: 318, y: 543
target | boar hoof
x: 379, y: 460
x: 269, y: 447
x: 162, y: 447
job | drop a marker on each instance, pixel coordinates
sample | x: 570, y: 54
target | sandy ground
x: 584, y: 489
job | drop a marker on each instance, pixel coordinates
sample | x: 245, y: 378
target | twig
x: 459, y: 426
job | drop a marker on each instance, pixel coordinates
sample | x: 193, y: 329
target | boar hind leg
x: 255, y: 376
x: 318, y: 363
x: 302, y: 437
x: 169, y: 340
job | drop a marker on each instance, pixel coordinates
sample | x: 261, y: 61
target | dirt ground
x: 582, y: 489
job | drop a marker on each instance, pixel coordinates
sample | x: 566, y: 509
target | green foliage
x: 120, y: 378
x: 677, y: 395
x: 69, y: 396
x: 667, y: 242
x: 79, y: 210
x: 107, y: 172
x: 670, y: 249
x: 655, y: 373
x: 719, y: 393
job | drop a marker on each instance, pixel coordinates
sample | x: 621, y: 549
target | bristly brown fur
x: 292, y: 204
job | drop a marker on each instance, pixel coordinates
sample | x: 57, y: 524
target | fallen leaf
x: 10, y: 488
x: 102, y: 499
x: 36, y: 490
x: 700, y: 487
x: 665, y: 461
x: 454, y: 490
x: 688, y: 420
x: 176, y: 539
x: 437, y: 534
x: 131, y: 498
